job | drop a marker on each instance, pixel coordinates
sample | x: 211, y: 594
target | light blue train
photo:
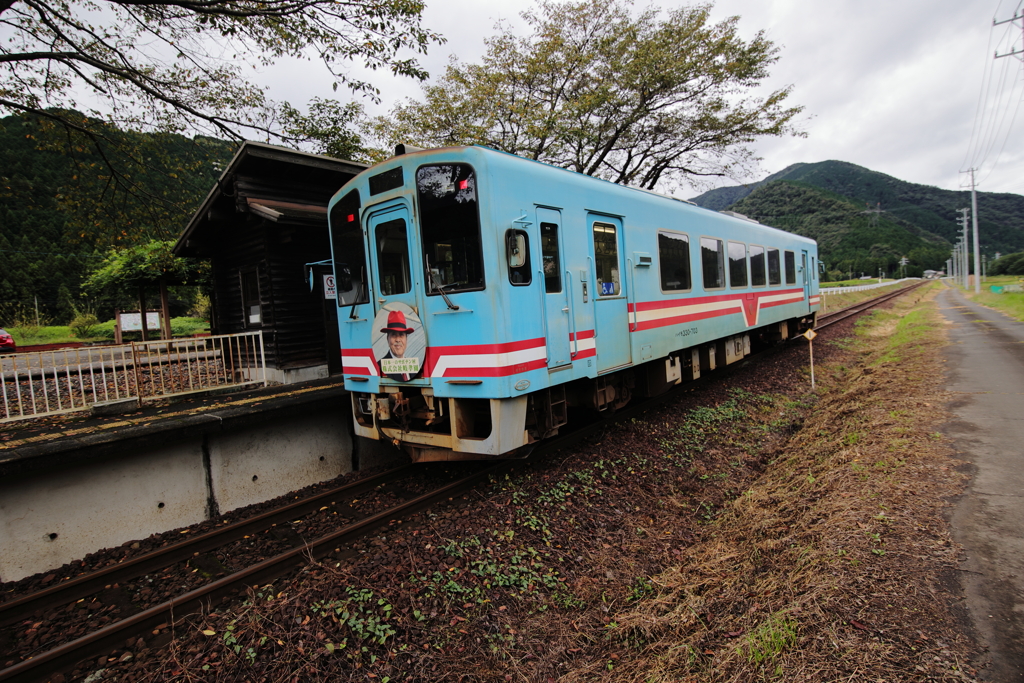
x: 481, y: 295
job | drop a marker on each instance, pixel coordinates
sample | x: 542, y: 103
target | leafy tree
x: 1010, y: 264
x: 178, y: 66
x: 330, y: 127
x: 144, y: 264
x: 129, y: 271
x: 159, y: 179
x: 633, y: 99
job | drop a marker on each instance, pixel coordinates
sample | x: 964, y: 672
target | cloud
x: 892, y: 86
x: 886, y: 84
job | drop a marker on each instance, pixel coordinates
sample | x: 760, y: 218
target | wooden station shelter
x: 264, y: 220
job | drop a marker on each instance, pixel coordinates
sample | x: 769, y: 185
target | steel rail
x: 88, y: 584
x: 849, y: 311
x: 66, y: 656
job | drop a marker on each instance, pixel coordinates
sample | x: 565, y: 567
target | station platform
x: 76, y: 483
x: 38, y: 443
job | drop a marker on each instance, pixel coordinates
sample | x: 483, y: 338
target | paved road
x: 986, y: 377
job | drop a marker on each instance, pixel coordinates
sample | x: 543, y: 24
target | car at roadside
x: 7, y: 344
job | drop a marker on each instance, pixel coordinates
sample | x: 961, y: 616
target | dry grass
x: 836, y: 565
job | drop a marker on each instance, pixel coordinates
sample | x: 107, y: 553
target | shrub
x: 84, y: 325
x: 200, y: 307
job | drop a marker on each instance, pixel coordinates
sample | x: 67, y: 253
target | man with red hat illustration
x: 397, y: 332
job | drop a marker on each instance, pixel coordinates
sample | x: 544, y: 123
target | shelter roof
x: 274, y: 183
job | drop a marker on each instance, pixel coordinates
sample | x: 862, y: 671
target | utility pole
x: 962, y: 222
x: 977, y: 249
x: 1013, y: 51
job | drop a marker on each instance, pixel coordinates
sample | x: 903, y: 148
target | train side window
x: 712, y: 260
x: 737, y: 264
x: 349, y: 252
x: 552, y: 262
x: 393, y: 257
x: 774, y: 267
x: 606, y: 259
x: 450, y: 228
x: 757, y: 272
x: 517, y: 251
x: 790, y: 268
x: 674, y: 259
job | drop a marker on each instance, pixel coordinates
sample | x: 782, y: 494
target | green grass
x: 771, y: 639
x: 1010, y: 303
x: 913, y: 328
x: 104, y: 332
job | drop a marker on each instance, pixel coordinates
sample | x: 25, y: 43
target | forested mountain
x: 850, y: 241
x: 61, y: 207
x: 890, y: 205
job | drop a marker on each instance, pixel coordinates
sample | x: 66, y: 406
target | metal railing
x: 39, y: 383
x: 860, y: 288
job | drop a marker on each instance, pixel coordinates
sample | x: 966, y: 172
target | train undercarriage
x: 432, y: 428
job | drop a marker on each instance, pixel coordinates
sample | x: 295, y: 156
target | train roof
x: 577, y: 177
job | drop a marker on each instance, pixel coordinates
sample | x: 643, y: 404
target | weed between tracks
x: 737, y: 535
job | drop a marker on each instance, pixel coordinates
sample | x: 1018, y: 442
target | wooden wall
x: 294, y: 329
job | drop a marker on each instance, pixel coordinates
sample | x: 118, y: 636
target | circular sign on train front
x: 399, y: 342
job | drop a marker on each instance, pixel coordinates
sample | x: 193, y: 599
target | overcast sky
x: 909, y: 88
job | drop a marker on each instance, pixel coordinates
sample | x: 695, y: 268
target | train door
x: 806, y: 279
x: 611, y: 324
x: 556, y: 300
x: 391, y: 246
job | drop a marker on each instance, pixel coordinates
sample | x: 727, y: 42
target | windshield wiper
x: 359, y: 290
x: 438, y: 288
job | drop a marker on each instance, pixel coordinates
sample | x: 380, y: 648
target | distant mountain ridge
x: 927, y: 208
x: 851, y: 241
x: 723, y: 197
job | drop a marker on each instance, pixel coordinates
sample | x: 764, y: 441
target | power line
x: 986, y: 79
x: 997, y: 125
x: 1006, y: 139
x: 999, y: 102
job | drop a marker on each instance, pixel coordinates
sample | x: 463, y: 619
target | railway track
x: 67, y: 655
x: 856, y: 309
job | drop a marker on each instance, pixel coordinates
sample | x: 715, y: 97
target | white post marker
x: 810, y: 335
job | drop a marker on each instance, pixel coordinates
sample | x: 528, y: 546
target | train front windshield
x: 450, y: 227
x: 349, y: 252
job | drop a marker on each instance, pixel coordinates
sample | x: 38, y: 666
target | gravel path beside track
x: 986, y: 379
